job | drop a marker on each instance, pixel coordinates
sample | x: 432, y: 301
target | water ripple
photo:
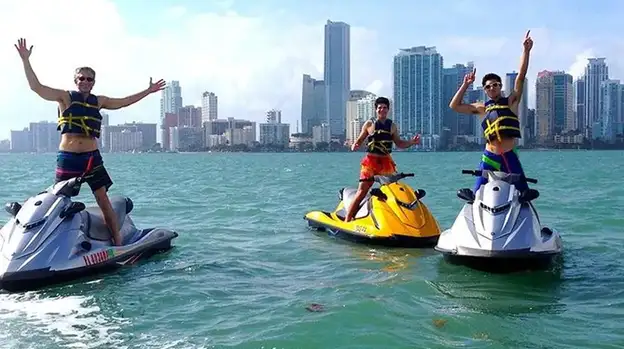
x: 245, y: 267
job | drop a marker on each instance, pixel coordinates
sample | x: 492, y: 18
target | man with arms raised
x: 381, y: 133
x: 80, y: 123
x: 500, y: 124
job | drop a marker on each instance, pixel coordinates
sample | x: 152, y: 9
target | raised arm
x: 457, y: 103
x: 400, y: 142
x: 516, y: 95
x: 118, y: 103
x: 45, y: 92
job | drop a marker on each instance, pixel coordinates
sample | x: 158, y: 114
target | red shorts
x: 373, y: 165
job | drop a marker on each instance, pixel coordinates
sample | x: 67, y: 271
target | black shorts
x: 69, y: 165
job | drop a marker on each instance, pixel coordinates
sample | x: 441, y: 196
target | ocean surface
x: 245, y: 265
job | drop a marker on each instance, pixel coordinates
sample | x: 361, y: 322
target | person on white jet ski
x: 501, y: 125
x: 381, y: 133
x: 80, y: 123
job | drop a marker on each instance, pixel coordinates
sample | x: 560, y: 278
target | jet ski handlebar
x: 479, y: 173
x: 387, y: 179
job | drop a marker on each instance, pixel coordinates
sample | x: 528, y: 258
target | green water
x: 245, y: 265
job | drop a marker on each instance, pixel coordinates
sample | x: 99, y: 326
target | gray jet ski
x: 52, y: 239
x: 498, y: 228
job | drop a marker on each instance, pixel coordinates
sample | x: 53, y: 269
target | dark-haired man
x: 381, y: 133
x: 501, y: 125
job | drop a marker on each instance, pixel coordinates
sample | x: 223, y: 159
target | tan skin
x: 78, y: 143
x: 493, y: 90
x: 368, y: 129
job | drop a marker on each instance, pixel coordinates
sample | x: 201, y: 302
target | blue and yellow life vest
x: 82, y: 116
x: 380, y: 142
x: 500, y: 121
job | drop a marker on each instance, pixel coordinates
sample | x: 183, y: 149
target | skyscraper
x: 596, y: 72
x: 554, y: 113
x: 170, y: 102
x: 210, y: 106
x: 611, y: 109
x: 337, y: 71
x: 579, y: 97
x: 312, y: 104
x: 453, y: 78
x: 418, y: 93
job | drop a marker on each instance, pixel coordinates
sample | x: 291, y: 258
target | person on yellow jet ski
x: 381, y: 133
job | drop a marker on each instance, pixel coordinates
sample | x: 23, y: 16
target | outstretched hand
x: 22, y: 49
x: 416, y: 140
x: 470, y: 77
x: 157, y: 86
x: 528, y: 42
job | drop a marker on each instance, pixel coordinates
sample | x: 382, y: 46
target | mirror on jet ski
x: 466, y: 194
x: 12, y: 208
x: 72, y: 209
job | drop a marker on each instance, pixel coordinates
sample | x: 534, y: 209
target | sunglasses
x: 89, y: 79
x: 496, y: 84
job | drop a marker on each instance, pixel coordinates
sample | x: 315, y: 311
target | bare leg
x: 101, y: 197
x: 355, y: 204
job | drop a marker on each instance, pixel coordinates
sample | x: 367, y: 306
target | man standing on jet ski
x: 381, y: 133
x: 500, y: 124
x: 80, y: 124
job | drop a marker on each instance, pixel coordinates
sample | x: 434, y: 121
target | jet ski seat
x: 94, y: 224
x: 347, y: 195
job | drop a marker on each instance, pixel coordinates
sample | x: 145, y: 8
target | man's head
x: 382, y: 106
x: 492, y: 85
x: 84, y: 78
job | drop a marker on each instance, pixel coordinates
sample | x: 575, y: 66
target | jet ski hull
x: 95, y: 262
x: 377, y: 221
x: 500, y: 261
x: 498, y: 229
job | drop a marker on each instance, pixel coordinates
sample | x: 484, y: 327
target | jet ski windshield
x: 511, y: 178
x: 385, y: 180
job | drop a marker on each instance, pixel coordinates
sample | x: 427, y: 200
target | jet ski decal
x: 99, y: 257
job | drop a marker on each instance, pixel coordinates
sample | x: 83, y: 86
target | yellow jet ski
x: 391, y: 215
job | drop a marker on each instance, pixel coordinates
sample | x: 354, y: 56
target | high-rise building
x: 418, y: 93
x: 596, y: 72
x: 452, y: 79
x: 190, y: 116
x: 312, y: 104
x: 210, y: 106
x: 45, y: 137
x: 355, y: 117
x: 170, y: 102
x: 579, y: 98
x: 148, y: 133
x: 554, y: 112
x: 523, y: 107
x: 611, y: 109
x: 337, y: 71
x: 274, y: 116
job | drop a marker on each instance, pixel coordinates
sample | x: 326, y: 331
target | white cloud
x: 551, y: 51
x: 252, y: 64
x: 577, y: 69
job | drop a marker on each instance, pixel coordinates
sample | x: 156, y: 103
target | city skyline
x: 249, y: 85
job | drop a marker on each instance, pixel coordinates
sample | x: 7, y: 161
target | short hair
x: 84, y: 70
x: 382, y: 100
x: 491, y: 76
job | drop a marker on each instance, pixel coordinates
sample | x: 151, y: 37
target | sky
x: 252, y: 54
